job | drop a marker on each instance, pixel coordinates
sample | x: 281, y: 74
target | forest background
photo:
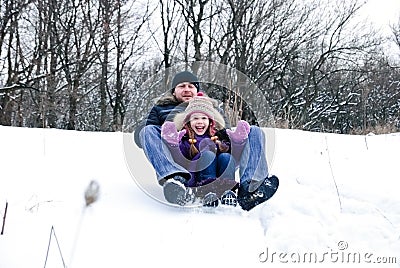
x: 86, y: 64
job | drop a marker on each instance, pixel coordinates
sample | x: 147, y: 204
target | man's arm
x: 151, y: 119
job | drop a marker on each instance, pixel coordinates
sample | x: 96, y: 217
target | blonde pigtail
x: 192, y: 140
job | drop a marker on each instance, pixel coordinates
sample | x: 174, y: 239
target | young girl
x: 204, y: 146
x: 199, y: 142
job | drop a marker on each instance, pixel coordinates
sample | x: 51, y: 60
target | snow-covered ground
x: 338, y: 204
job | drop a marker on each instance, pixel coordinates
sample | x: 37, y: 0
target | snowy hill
x: 338, y: 203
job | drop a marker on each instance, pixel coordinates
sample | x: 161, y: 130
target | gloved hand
x: 241, y: 132
x: 170, y: 134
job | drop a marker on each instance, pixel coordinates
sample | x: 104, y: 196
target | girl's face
x: 199, y: 123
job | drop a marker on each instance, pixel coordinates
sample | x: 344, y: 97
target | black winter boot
x: 248, y: 200
x: 229, y: 198
x: 210, y: 200
x: 176, y: 192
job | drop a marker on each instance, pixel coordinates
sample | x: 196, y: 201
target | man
x: 255, y: 186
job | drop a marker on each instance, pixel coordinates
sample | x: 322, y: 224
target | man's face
x: 185, y: 91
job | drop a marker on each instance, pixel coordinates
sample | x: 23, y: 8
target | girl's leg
x: 210, y: 172
x: 225, y: 166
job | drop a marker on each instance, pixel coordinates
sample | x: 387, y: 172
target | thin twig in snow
x: 4, y: 219
x: 333, y: 176
x: 53, y: 232
x: 366, y: 143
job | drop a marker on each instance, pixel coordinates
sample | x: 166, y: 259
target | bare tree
x: 106, y: 11
x: 193, y: 11
x: 128, y: 42
x: 396, y: 33
x: 10, y: 39
x: 84, y: 64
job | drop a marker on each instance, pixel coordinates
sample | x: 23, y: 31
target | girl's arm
x: 184, y: 147
x: 170, y: 135
x: 223, y: 141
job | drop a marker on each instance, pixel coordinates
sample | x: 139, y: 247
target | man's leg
x: 255, y: 185
x: 253, y: 162
x: 159, y: 155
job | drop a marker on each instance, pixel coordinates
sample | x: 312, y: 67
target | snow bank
x: 338, y: 200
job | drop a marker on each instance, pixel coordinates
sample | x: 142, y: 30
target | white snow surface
x: 338, y: 204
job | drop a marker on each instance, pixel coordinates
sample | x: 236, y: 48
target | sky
x: 382, y: 12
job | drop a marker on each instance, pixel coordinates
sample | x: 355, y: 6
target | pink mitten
x: 241, y: 132
x: 170, y: 134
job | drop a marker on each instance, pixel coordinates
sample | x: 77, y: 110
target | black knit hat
x: 185, y: 76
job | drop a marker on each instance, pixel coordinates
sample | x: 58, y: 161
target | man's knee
x: 149, y: 132
x: 256, y: 133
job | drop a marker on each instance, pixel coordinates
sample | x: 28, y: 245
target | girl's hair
x: 210, y: 130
